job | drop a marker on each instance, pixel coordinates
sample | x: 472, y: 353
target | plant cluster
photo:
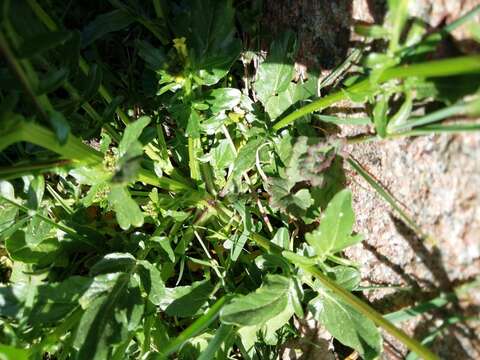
x: 162, y: 196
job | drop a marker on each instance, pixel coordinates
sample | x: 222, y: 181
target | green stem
x: 194, y: 146
x: 341, y: 69
x: 412, y: 312
x: 17, y: 70
x: 345, y: 120
x: 430, y: 42
x: 425, y: 130
x: 64, y: 228
x: 439, y: 129
x: 341, y: 261
x: 370, y: 313
x: 350, y: 299
x: 93, y: 113
x: 362, y: 138
x: 73, y: 149
x: 223, y: 333
x: 104, y: 93
x: 21, y: 170
x: 470, y: 15
x: 158, y: 9
x: 195, y: 328
x: 438, y: 68
x: 147, y: 327
x: 42, y: 15
x: 441, y: 114
x: 401, y: 14
x: 76, y: 150
x: 164, y: 156
x: 163, y: 182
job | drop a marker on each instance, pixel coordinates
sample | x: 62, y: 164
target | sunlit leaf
x: 347, y: 325
x: 109, y: 317
x: 265, y: 303
x: 276, y: 72
x: 129, y: 142
x: 223, y: 99
x: 334, y: 232
x: 185, y: 301
x: 12, y: 353
x: 127, y: 211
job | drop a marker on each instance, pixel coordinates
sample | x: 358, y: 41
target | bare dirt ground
x: 435, y: 178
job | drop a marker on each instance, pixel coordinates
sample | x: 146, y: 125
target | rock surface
x: 434, y: 178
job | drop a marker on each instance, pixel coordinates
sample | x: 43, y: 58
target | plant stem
x: 195, y: 328
x: 194, y: 146
x: 412, y: 312
x: 425, y: 130
x: 351, y: 300
x: 223, y: 332
x: 20, y: 170
x: 76, y: 150
x: 439, y: 129
x: 67, y: 230
x: 370, y: 313
x: 438, y: 115
x: 438, y: 68
x: 470, y: 15
x: 163, y: 182
x: 16, y: 68
x: 319, y: 104
x: 362, y: 138
x: 398, y: 22
x: 158, y: 9
x: 73, y: 149
x: 430, y: 42
x: 42, y: 15
x: 93, y: 113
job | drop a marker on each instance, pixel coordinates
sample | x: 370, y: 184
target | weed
x: 196, y: 211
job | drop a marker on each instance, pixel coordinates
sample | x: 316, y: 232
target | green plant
x: 193, y: 223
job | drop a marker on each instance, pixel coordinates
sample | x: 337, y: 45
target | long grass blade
x: 438, y: 68
x: 194, y: 329
x: 386, y: 195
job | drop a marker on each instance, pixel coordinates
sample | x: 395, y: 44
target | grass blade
x: 345, y: 120
x: 385, y: 194
x: 441, y: 114
x: 195, y: 328
x: 440, y: 129
x: 223, y: 332
x: 438, y: 68
x: 412, y: 312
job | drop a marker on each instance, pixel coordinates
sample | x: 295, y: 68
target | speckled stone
x: 436, y: 179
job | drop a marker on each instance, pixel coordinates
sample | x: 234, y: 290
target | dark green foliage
x: 149, y: 206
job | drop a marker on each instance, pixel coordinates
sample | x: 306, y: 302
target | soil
x: 435, y: 179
